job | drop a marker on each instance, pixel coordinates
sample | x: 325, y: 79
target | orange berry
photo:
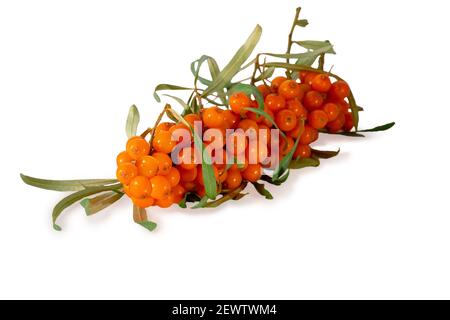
x: 265, y: 90
x: 178, y: 193
x: 164, y: 163
x: 248, y: 124
x: 296, y: 106
x: 143, y: 202
x: 230, y: 119
x: 162, y: 142
x: 147, y: 166
x: 290, y: 89
x: 238, y: 140
x: 332, y: 111
x: 313, y: 100
x: 192, y: 118
x: 317, y: 119
x: 188, y: 175
x: 234, y: 179
x: 126, y: 172
x: 286, y: 120
x: 339, y: 90
x: 163, y: 126
x: 336, y: 125
x: 188, y: 185
x: 140, y: 187
x: 177, y: 135
x: 238, y: 102
x: 264, y: 133
x: 309, y: 135
x: 213, y: 117
x: 187, y: 158
x: 348, y: 124
x: 308, y: 79
x: 321, y: 83
x: 165, y: 202
x: 276, y: 83
x: 123, y: 157
x: 223, y: 173
x: 302, y: 151
x: 160, y: 187
x: 275, y: 102
x: 252, y: 173
x: 137, y: 147
x: 173, y: 176
x: 298, y: 130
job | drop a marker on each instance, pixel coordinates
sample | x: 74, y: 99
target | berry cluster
x: 297, y: 109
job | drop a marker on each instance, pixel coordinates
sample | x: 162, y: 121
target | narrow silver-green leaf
x: 267, y: 73
x: 100, y: 202
x: 132, y: 121
x: 323, y: 154
x: 262, y: 190
x: 315, y: 45
x: 284, y: 163
x: 65, y: 185
x: 302, y: 23
x: 77, y: 196
x: 165, y: 86
x: 383, y: 127
x: 179, y: 100
x: 233, y: 67
x: 303, y: 163
x: 140, y: 217
x: 202, y: 203
x: 209, y: 178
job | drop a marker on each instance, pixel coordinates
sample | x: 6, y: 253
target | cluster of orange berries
x: 299, y: 110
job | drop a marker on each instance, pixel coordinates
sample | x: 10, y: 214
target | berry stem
x: 291, y: 33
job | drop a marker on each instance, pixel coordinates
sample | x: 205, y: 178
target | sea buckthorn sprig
x: 229, y: 134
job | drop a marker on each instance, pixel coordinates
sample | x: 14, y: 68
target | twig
x: 166, y: 107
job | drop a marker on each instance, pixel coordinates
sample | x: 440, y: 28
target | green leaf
x: 322, y: 154
x: 302, y: 23
x: 315, y: 45
x: 180, y: 101
x: 208, y: 173
x: 284, y: 163
x: 233, y: 67
x: 140, y: 217
x: 249, y: 90
x: 384, y: 127
x: 165, y: 86
x: 202, y: 203
x: 132, y: 121
x: 262, y: 190
x: 354, y: 108
x: 267, y: 73
x: 209, y: 178
x: 100, y: 202
x: 213, y: 70
x: 77, y: 196
x: 303, y: 163
x: 268, y: 179
x: 65, y: 185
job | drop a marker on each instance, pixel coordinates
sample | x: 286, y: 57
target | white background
x: 372, y: 223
